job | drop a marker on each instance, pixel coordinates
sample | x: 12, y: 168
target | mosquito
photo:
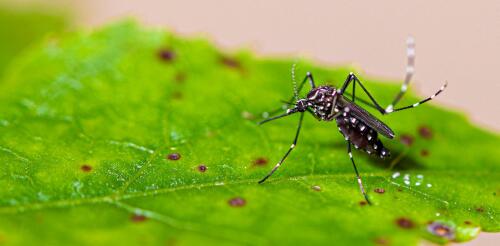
x: 359, y: 128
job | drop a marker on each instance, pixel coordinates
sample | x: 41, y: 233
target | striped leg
x: 410, y: 70
x: 357, y: 173
x: 391, y: 110
x: 288, y: 152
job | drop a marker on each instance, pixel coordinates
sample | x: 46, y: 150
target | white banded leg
x: 421, y: 102
x: 410, y: 70
x: 288, y: 152
x: 360, y: 183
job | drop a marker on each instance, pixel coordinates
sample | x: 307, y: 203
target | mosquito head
x: 302, y: 105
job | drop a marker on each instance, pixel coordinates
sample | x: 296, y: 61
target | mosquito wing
x: 367, y: 118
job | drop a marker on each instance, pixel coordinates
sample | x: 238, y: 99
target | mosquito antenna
x: 295, y: 92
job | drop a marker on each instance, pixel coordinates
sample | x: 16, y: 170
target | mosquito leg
x: 288, y: 152
x: 357, y: 173
x: 410, y: 70
x: 383, y: 111
x: 421, y: 102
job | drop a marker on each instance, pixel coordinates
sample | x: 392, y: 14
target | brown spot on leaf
x: 136, y: 218
x: 174, y: 156
x: 86, y: 168
x: 441, y: 230
x: 379, y: 190
x: 406, y: 139
x: 237, y: 202
x: 381, y: 241
x: 424, y: 153
x: 166, y: 54
x: 362, y: 203
x: 405, y: 223
x: 480, y: 209
x: 230, y: 62
x: 261, y: 161
x: 425, y: 132
x: 202, y: 168
x: 180, y: 77
x: 177, y: 95
x: 467, y: 222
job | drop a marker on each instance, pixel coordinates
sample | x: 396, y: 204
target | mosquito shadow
x: 400, y: 160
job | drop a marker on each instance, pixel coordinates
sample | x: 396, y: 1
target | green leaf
x: 90, y: 123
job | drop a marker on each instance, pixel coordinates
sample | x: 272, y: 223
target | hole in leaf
x: 441, y: 230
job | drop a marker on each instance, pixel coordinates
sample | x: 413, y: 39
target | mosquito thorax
x: 322, y: 100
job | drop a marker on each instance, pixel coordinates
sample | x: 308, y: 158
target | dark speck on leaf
x: 424, y: 153
x: 467, y: 222
x: 180, y: 77
x: 177, y: 95
x: 166, y: 55
x: 381, y: 241
x: 230, y: 62
x: 138, y: 218
x: 202, y: 168
x: 86, y: 168
x: 406, y: 139
x: 379, y: 190
x: 425, y: 132
x: 362, y: 203
x: 237, y: 202
x: 441, y: 230
x: 174, y: 156
x: 480, y: 209
x: 405, y: 223
x: 261, y: 161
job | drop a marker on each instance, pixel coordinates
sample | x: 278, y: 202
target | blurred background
x: 457, y: 41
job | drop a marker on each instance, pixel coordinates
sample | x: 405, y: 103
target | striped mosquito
x: 358, y: 126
